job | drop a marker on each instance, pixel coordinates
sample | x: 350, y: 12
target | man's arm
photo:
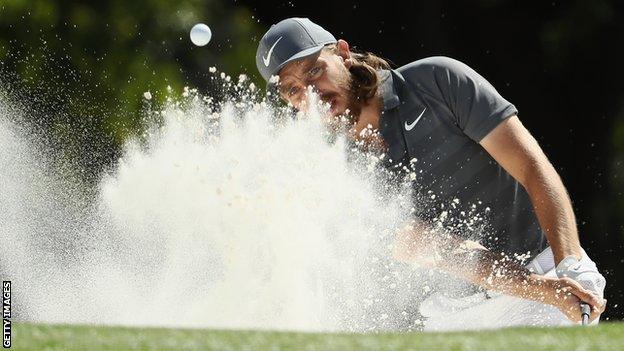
x: 515, y: 149
x: 418, y: 243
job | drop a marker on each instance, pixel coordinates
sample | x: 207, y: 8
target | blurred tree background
x: 83, y: 66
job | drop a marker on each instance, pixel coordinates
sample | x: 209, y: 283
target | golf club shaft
x: 585, y: 311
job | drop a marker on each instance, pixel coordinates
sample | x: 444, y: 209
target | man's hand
x: 566, y: 294
x: 583, y: 271
x: 430, y: 247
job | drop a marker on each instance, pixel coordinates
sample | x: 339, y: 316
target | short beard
x: 354, y: 104
x: 343, y: 122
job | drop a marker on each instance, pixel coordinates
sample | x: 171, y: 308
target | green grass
x: 607, y: 336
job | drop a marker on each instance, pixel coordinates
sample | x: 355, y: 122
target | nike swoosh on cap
x: 410, y: 126
x: 267, y: 59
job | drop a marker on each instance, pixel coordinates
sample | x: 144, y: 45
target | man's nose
x: 313, y: 89
x: 302, y: 99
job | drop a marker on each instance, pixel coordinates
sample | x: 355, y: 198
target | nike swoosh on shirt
x: 267, y: 59
x: 410, y: 126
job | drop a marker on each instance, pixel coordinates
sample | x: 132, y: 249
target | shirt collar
x: 388, y: 90
x: 390, y: 122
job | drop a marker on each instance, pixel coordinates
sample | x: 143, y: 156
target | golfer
x: 467, y: 152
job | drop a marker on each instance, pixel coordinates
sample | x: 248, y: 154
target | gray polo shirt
x: 435, y: 112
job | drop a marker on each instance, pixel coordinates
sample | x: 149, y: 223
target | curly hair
x: 364, y: 82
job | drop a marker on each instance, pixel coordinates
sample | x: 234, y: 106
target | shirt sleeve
x: 477, y: 108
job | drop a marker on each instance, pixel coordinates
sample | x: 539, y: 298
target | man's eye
x: 292, y: 91
x: 314, y: 72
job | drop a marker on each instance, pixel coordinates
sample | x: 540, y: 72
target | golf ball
x: 200, y: 34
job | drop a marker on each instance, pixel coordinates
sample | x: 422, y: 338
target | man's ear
x: 343, y: 51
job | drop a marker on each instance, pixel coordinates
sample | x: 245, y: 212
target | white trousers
x: 494, y: 310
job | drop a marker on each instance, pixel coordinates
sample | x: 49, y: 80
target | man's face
x: 328, y: 76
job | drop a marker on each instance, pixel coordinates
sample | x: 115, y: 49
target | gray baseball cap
x: 290, y: 39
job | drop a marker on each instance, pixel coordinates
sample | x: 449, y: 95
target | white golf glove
x: 584, y: 272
